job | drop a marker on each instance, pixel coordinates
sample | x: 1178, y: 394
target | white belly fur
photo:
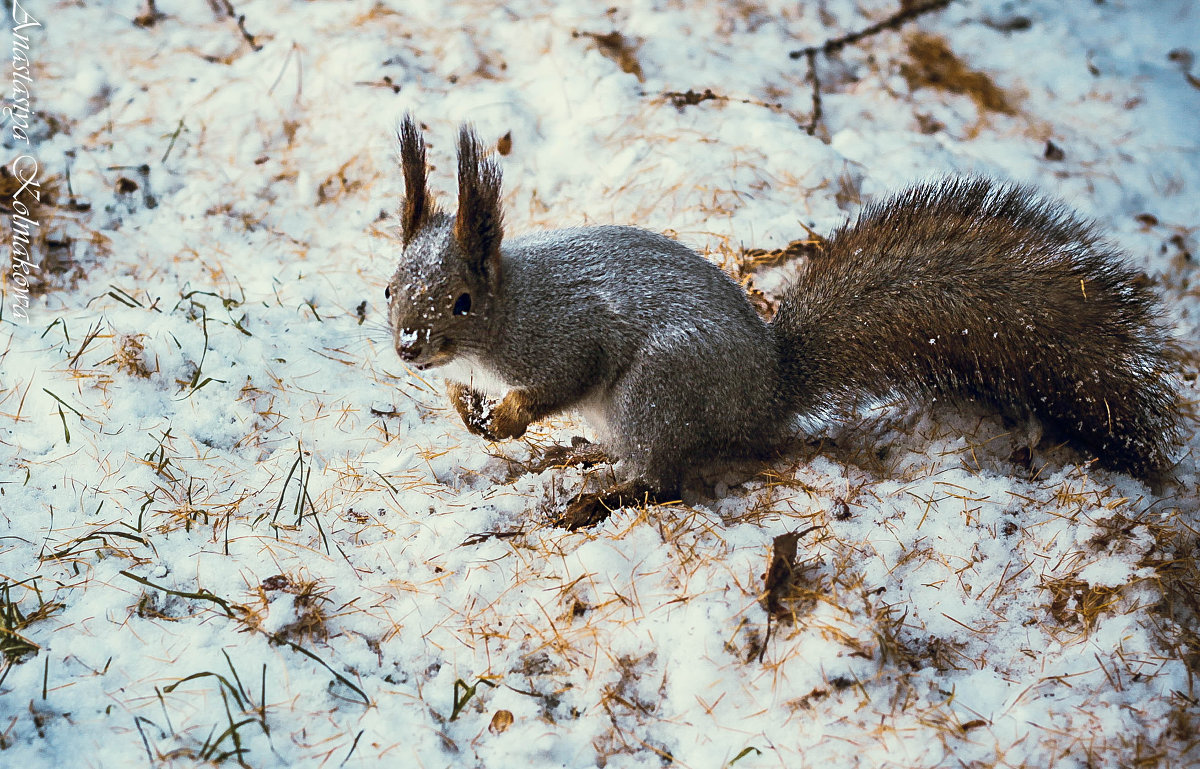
x: 594, y: 413
x: 469, y: 370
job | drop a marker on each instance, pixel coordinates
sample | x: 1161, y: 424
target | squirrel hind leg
x: 672, y: 438
x: 587, y: 510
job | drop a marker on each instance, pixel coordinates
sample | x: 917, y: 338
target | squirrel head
x: 442, y: 293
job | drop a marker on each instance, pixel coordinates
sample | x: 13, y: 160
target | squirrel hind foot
x: 588, y: 510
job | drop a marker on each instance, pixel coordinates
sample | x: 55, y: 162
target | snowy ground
x: 234, y: 528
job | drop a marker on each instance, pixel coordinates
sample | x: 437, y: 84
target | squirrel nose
x: 410, y: 351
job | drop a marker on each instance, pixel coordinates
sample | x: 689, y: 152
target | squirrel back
x: 968, y: 289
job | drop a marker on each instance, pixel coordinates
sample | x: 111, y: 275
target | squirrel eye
x: 462, y: 305
x: 387, y: 292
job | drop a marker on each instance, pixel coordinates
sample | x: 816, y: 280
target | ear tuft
x: 478, y: 225
x: 417, y: 200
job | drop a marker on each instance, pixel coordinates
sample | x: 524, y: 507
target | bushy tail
x: 969, y: 289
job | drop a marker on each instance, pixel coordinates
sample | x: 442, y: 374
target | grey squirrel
x: 960, y: 289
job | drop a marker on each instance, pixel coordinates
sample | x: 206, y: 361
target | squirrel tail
x: 972, y: 290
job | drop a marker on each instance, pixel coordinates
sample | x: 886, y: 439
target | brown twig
x: 816, y: 92
x: 150, y: 16
x: 901, y: 17
x: 904, y: 15
x: 241, y: 22
x: 690, y: 98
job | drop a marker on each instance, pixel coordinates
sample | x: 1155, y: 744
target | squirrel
x: 962, y: 289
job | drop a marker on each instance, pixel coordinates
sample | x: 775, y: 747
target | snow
x: 262, y: 450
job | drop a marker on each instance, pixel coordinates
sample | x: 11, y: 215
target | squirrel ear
x: 417, y: 205
x: 478, y: 225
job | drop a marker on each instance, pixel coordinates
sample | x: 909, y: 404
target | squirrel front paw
x: 510, y: 418
x: 496, y: 422
x: 472, y: 407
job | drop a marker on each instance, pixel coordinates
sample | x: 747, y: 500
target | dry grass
x: 617, y: 48
x: 130, y: 356
x: 51, y: 246
x: 14, y: 646
x: 932, y: 64
x: 310, y: 602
